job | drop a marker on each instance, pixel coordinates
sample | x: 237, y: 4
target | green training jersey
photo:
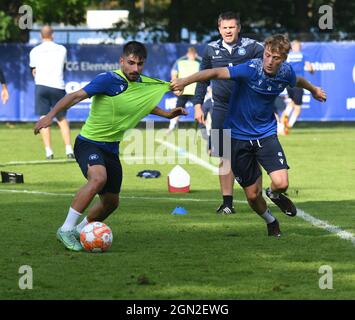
x: 111, y: 116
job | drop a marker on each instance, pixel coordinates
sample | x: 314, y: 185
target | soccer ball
x: 96, y: 237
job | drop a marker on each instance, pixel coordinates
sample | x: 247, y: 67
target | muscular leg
x: 279, y: 180
x: 258, y: 204
x: 96, y: 181
x: 254, y: 196
x: 104, y: 207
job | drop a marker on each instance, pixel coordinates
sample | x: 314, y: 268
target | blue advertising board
x: 334, y: 65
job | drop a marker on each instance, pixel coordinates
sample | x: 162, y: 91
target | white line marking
x: 190, y: 156
x: 135, y: 158
x: 54, y: 194
x: 345, y: 235
x: 326, y: 226
x: 16, y: 163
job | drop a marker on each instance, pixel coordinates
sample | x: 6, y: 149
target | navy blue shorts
x: 182, y: 100
x: 46, y: 98
x: 249, y: 155
x: 295, y: 94
x: 90, y: 154
x: 219, y: 141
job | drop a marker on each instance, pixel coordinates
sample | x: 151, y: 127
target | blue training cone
x: 179, y: 210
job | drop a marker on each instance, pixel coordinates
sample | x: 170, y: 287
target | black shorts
x: 90, y: 154
x: 295, y: 94
x: 182, y: 100
x: 248, y: 155
x: 220, y: 141
x: 46, y: 98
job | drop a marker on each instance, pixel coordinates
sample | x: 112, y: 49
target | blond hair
x: 279, y: 43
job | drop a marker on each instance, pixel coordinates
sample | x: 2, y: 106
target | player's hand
x: 177, y: 85
x: 199, y: 116
x: 319, y: 94
x: 178, y: 92
x: 44, y: 122
x: 177, y: 112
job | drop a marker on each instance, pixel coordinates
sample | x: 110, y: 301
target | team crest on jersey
x: 241, y: 51
x: 93, y: 156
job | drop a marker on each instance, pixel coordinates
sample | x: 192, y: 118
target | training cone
x: 178, y: 180
x: 179, y: 210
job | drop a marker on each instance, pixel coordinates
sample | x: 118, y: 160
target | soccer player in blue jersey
x: 253, y: 125
x: 230, y: 50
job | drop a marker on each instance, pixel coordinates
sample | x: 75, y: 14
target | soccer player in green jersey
x: 121, y: 98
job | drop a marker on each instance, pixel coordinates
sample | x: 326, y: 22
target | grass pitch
x: 201, y: 255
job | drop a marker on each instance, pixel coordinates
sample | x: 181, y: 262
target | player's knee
x: 281, y: 185
x: 253, y: 196
x: 97, y: 183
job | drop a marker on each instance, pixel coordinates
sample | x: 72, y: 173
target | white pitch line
x: 345, y: 235
x: 135, y: 158
x: 54, y: 194
x: 190, y: 156
x: 16, y: 163
x: 342, y: 234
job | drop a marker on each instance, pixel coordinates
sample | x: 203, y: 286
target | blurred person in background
x: 299, y: 63
x: 4, y: 91
x: 47, y: 62
x: 183, y: 67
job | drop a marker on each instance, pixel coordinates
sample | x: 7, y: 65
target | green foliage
x: 71, y: 12
x: 5, y: 26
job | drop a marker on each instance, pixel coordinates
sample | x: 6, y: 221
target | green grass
x: 201, y: 255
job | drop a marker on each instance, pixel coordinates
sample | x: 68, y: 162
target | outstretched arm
x: 63, y: 104
x: 169, y: 114
x: 208, y: 74
x: 317, y: 92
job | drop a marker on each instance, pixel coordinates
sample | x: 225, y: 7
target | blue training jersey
x: 251, y: 107
x: 108, y: 83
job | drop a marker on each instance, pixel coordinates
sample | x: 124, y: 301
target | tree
x: 70, y: 12
x: 260, y: 17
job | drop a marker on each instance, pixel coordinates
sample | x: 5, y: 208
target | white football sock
x: 288, y: 110
x: 49, y: 151
x: 71, y: 220
x: 68, y: 149
x: 172, y: 124
x: 82, y: 224
x: 267, y: 216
